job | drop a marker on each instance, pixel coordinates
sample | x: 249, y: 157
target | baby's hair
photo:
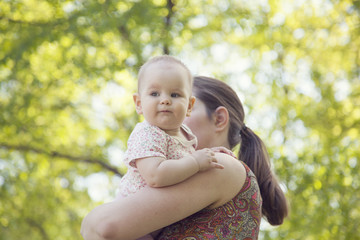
x: 165, y: 59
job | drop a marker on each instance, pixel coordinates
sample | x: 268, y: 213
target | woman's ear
x: 191, y: 105
x: 137, y: 102
x: 221, y: 115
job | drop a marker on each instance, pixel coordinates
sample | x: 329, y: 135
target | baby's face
x: 165, y: 95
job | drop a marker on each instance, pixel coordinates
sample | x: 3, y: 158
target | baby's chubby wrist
x: 193, y: 159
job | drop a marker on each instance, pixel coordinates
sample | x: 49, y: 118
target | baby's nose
x: 165, y: 101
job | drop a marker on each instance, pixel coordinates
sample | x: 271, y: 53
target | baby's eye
x: 154, y: 94
x: 175, y: 95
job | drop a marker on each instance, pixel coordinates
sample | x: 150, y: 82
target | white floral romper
x: 147, y: 140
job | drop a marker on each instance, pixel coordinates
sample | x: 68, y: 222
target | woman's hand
x: 223, y: 150
x: 205, y: 158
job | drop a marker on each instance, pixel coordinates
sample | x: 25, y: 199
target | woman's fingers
x: 221, y: 149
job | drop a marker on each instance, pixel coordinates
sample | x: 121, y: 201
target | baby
x: 161, y: 149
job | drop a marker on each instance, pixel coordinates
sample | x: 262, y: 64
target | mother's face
x: 201, y: 125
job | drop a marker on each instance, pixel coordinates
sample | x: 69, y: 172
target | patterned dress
x: 147, y: 140
x: 237, y: 219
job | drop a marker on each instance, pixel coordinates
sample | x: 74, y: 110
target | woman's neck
x: 220, y: 139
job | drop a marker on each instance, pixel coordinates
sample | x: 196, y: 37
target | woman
x: 214, y: 204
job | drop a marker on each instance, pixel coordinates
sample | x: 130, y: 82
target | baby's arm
x: 160, y: 172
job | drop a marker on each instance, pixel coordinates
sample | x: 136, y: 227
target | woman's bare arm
x: 153, y: 208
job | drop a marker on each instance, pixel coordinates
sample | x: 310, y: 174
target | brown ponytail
x: 253, y: 152
x: 214, y: 93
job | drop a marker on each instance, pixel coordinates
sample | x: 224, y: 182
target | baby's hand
x: 206, y: 159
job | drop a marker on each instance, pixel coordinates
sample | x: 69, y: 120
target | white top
x: 150, y: 141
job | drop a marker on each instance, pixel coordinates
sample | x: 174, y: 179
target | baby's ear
x: 191, y: 105
x: 137, y: 101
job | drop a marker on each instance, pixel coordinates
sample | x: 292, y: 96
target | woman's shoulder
x: 233, y: 166
x: 230, y: 180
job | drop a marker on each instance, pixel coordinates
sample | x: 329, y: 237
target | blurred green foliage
x: 68, y: 70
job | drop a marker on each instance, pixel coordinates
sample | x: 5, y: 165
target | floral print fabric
x: 150, y: 141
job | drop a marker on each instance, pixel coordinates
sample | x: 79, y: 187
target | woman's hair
x: 214, y: 93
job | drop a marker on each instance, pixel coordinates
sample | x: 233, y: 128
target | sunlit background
x: 67, y: 75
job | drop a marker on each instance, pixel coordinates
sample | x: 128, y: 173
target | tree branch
x: 125, y: 34
x: 24, y: 148
x: 38, y: 226
x: 169, y: 5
